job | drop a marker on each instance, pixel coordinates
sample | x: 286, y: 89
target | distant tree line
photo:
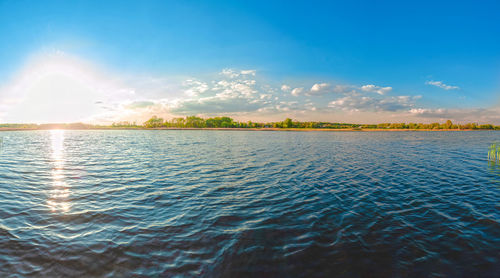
x: 27, y: 126
x: 447, y: 125
x: 227, y: 122
x: 125, y: 124
x: 48, y: 126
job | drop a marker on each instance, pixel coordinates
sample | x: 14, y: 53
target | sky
x: 338, y: 61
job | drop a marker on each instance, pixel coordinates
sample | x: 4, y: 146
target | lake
x: 169, y: 203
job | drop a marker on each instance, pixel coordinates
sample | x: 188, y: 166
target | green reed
x: 494, y: 152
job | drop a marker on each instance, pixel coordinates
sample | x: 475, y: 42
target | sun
x: 56, y: 88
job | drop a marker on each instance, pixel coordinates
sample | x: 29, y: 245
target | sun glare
x: 57, y: 88
x: 59, y: 194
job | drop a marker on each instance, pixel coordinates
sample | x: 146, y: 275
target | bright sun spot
x: 56, y: 88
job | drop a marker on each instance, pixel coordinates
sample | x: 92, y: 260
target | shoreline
x: 249, y: 129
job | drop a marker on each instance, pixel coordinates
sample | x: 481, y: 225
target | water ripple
x: 247, y: 204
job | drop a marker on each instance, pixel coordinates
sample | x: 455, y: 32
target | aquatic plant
x: 494, y: 152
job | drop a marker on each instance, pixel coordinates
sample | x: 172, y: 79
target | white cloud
x: 238, y: 94
x: 297, y: 91
x: 464, y: 115
x: 195, y: 87
x: 344, y: 89
x: 359, y: 102
x: 248, y: 72
x: 285, y: 88
x: 376, y: 89
x: 231, y: 73
x: 426, y: 112
x: 319, y: 89
x: 266, y: 96
x: 441, y: 85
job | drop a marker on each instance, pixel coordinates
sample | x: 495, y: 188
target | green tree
x: 154, y: 122
x: 196, y: 122
x: 288, y: 123
x: 447, y: 125
x: 487, y: 126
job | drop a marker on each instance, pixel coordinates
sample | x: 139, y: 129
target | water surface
x: 248, y: 204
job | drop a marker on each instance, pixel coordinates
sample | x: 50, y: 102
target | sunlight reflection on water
x: 58, y: 200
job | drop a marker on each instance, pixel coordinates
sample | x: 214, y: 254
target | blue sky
x: 131, y: 59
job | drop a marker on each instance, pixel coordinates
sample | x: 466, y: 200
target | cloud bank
x: 73, y: 90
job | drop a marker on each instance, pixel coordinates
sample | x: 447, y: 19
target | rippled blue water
x: 241, y: 203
